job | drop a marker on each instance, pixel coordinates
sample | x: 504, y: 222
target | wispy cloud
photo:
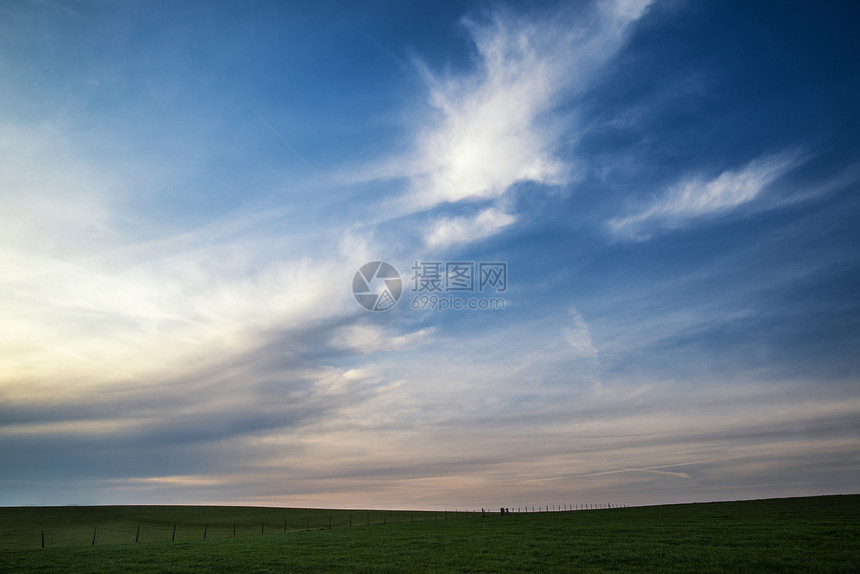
x: 91, y: 297
x: 499, y: 124
x: 460, y: 230
x: 578, y: 336
x: 360, y: 337
x: 696, y: 198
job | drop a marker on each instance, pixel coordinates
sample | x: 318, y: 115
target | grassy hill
x: 22, y: 528
x: 820, y: 534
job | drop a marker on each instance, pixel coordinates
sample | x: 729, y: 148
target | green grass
x: 21, y: 528
x: 819, y: 534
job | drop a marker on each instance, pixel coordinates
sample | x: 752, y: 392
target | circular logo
x: 377, y: 286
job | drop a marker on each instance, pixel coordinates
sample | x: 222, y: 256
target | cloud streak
x: 698, y: 198
x: 499, y: 125
x: 450, y: 231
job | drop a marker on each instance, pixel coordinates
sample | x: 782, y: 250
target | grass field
x: 21, y: 528
x: 820, y: 534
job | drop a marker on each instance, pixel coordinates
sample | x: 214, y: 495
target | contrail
x: 654, y: 469
x: 108, y: 368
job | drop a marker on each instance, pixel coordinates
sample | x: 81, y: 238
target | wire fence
x: 56, y: 530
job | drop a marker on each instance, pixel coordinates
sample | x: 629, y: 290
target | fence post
x: 94, y: 537
x: 262, y: 527
x: 205, y: 530
x: 172, y: 536
x: 234, y: 530
x: 43, y: 539
x: 350, y: 520
x: 137, y: 535
x: 446, y: 514
x: 329, y: 522
x: 285, y: 525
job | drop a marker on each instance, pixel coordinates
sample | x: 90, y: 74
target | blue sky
x: 187, y: 190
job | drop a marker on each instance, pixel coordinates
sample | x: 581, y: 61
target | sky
x: 624, y: 233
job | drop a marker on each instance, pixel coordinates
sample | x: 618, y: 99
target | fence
x: 179, y: 525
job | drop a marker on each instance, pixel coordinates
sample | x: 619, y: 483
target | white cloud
x: 458, y: 230
x: 496, y: 127
x: 578, y: 336
x: 623, y: 11
x: 503, y: 122
x: 500, y: 123
x: 367, y: 338
x: 88, y: 302
x: 697, y: 197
